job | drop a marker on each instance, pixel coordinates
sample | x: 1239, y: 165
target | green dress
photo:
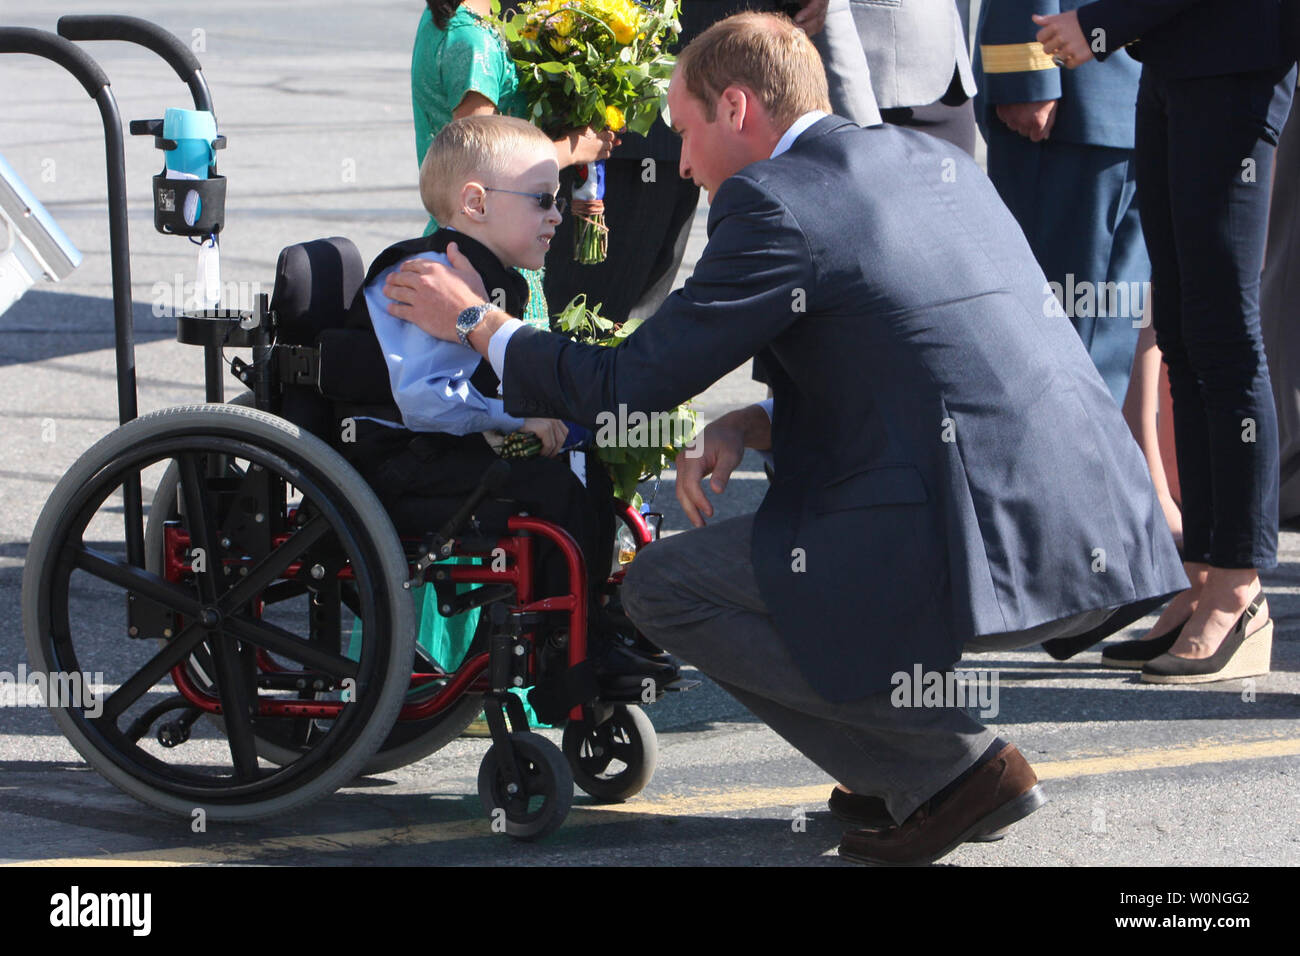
x: 470, y: 55
x: 445, y: 65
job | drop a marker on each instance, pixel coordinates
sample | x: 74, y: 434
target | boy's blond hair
x: 474, y: 147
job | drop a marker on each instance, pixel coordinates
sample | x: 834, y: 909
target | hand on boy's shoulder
x: 431, y: 295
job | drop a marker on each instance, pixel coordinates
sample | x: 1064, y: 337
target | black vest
x: 365, y: 388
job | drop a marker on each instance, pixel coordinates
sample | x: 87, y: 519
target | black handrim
x: 333, y: 518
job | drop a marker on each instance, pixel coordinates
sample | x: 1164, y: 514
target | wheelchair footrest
x: 682, y: 684
x: 553, y: 698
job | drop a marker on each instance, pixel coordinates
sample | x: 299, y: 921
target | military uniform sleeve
x: 1016, y: 70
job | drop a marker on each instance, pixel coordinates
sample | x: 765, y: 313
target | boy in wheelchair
x: 491, y: 182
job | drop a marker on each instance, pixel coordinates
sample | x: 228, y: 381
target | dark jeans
x: 1204, y: 155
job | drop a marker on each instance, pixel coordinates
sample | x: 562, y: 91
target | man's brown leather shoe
x: 996, y: 795
x: 870, y: 813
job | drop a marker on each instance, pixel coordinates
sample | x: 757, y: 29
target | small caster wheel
x: 614, y: 759
x: 540, y: 804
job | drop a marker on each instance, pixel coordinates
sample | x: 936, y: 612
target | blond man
x: 948, y: 461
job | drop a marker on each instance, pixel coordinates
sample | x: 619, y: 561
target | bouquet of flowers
x: 598, y: 63
x: 634, y: 447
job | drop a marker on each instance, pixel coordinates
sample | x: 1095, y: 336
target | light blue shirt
x: 430, y: 377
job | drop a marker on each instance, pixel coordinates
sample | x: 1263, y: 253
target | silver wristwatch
x: 468, y: 320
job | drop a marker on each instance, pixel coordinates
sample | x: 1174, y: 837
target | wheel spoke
x: 593, y: 764
x: 202, y: 526
x: 273, y: 566
x: 134, y: 687
x: 236, y: 702
x: 277, y: 640
x: 130, y: 578
x: 283, y: 591
x: 622, y: 750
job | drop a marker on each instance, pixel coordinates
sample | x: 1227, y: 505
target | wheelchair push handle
x: 68, y: 55
x: 136, y: 30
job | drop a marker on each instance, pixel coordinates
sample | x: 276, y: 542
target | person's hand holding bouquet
x: 597, y: 63
x: 588, y: 146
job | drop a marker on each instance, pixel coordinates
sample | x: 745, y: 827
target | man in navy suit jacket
x: 950, y: 469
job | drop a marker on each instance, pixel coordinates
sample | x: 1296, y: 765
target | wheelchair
x: 266, y: 589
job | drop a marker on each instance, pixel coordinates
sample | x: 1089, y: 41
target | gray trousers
x: 695, y: 595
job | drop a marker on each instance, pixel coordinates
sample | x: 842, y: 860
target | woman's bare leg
x: 1149, y: 414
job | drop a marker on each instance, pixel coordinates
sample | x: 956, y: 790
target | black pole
x: 120, y: 256
x: 199, y: 90
x: 119, y: 250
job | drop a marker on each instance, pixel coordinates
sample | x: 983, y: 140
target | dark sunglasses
x: 544, y: 200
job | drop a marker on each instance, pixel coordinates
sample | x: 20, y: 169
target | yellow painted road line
x: 696, y: 804
x: 1209, y: 751
x: 1200, y: 753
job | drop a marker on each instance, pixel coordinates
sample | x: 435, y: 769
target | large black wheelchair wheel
x: 284, y: 741
x: 278, y: 524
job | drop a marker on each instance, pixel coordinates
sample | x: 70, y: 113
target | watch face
x: 468, y: 319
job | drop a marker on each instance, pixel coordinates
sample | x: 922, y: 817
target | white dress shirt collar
x: 796, y: 130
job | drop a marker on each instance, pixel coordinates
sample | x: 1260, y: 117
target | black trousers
x: 648, y: 211
x: 1280, y: 289
x: 1203, y: 158
x: 422, y: 479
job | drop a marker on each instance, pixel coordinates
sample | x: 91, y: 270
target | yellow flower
x: 562, y: 23
x: 624, y: 32
x: 614, y: 118
x: 558, y: 44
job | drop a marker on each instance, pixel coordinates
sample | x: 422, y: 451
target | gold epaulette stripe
x: 1015, y: 58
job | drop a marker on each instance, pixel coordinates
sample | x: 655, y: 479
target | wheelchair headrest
x: 315, y: 283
